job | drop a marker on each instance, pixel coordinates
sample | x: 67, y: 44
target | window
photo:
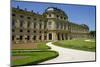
x: 28, y: 37
x: 13, y: 15
x: 21, y: 23
x: 13, y: 37
x: 64, y: 18
x: 13, y: 30
x: 40, y: 25
x: 17, y: 38
x: 45, y: 37
x: 35, y: 19
x: 34, y: 31
x: 21, y: 37
x: 40, y: 38
x: 34, y: 25
x: 34, y: 38
x: 21, y: 16
x: 28, y: 30
x: 61, y: 17
x: 21, y: 30
x: 40, y: 20
x: 28, y: 24
x: 28, y: 17
x: 13, y: 22
x: 40, y: 31
x: 45, y: 32
x: 57, y: 16
x: 44, y: 26
x: 49, y: 15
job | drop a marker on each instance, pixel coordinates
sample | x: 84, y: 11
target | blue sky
x: 77, y: 13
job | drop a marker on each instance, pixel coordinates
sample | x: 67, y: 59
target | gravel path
x: 69, y: 55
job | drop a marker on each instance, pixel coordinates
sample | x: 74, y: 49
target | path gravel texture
x: 69, y: 55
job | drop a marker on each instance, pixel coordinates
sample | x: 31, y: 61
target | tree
x: 93, y: 34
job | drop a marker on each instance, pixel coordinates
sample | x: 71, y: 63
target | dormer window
x: 34, y: 18
x: 64, y: 18
x: 61, y: 17
x: 49, y: 15
x: 28, y: 17
x: 21, y: 16
x: 57, y: 16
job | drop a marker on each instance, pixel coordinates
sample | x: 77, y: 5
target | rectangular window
x: 21, y: 23
x: 13, y: 22
x: 28, y: 24
x: 21, y: 37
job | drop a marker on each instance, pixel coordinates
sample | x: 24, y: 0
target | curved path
x: 69, y: 55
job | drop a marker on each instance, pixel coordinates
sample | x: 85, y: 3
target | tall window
x: 13, y: 37
x: 40, y: 25
x: 28, y: 38
x: 49, y: 15
x: 21, y: 30
x: 28, y: 24
x: 34, y: 25
x: 21, y: 37
x: 13, y: 22
x: 34, y: 38
x: 21, y: 23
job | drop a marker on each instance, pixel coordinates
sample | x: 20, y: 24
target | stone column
x: 42, y: 36
x: 60, y: 36
x: 68, y: 36
x: 31, y: 38
x: 64, y: 36
x: 47, y: 37
x: 17, y: 24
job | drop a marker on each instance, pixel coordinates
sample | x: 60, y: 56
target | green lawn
x: 33, y: 57
x: 42, y: 46
x: 79, y: 44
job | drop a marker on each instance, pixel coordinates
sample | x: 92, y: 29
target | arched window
x: 50, y: 36
x: 21, y: 16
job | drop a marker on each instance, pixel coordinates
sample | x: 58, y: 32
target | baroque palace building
x: 52, y: 25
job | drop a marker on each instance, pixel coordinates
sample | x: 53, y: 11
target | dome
x: 56, y: 10
x: 85, y: 26
x: 50, y: 9
x: 53, y: 9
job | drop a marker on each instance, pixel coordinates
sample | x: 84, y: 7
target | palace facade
x: 52, y: 25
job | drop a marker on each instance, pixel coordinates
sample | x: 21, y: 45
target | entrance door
x: 50, y: 36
